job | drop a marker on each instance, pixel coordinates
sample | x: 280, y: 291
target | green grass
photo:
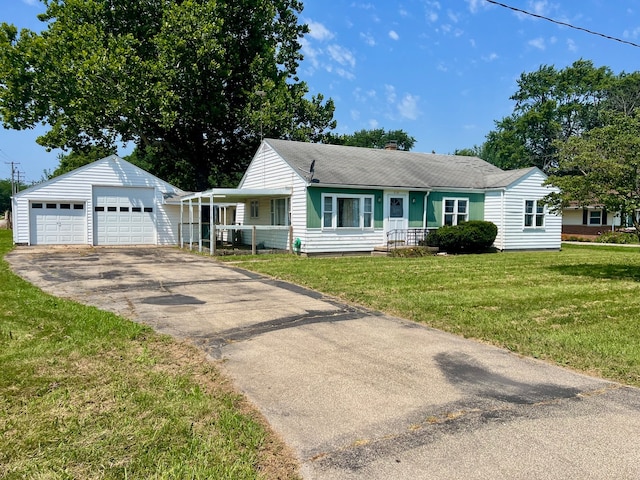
x: 579, y: 307
x: 87, y: 394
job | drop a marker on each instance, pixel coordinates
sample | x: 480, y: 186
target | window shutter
x: 585, y: 216
x: 604, y: 217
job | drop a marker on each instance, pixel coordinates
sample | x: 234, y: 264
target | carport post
x: 200, y: 224
x: 212, y: 227
x: 180, y: 227
x: 253, y: 240
x: 190, y: 224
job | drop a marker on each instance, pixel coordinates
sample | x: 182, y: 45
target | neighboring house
x: 107, y: 202
x: 592, y: 220
x: 349, y: 199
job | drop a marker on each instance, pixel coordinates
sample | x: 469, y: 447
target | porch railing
x: 410, y: 237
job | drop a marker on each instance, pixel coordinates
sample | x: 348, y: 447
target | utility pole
x: 14, y: 170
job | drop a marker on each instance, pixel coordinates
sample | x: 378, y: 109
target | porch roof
x: 230, y: 195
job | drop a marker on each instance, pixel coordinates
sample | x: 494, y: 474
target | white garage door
x: 59, y: 223
x: 124, y: 216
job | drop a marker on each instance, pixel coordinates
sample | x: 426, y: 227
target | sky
x: 442, y: 71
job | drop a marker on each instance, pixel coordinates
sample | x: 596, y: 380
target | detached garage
x: 108, y: 202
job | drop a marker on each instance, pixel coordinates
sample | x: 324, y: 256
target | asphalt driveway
x: 358, y: 394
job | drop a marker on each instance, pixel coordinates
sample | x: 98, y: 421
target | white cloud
x: 393, y: 35
x: 432, y: 17
x: 31, y: 2
x: 452, y: 16
x: 537, y: 43
x: 341, y: 55
x: 442, y: 67
x: 571, y: 45
x: 472, y: 42
x: 403, y: 12
x: 373, y: 123
x: 631, y: 33
x: 310, y: 53
x: 345, y: 74
x: 476, y: 5
x: 368, y: 39
x: 390, y: 92
x: 318, y: 31
x: 539, y: 7
x: 491, y: 57
x: 408, y: 107
x: 355, y: 114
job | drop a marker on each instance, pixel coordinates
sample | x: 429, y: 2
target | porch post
x: 253, y: 240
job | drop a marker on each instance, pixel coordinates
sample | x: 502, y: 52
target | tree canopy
x: 602, y: 168
x: 374, y: 138
x: 552, y: 106
x: 194, y: 83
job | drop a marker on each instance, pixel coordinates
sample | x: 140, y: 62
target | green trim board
x: 314, y: 204
x: 434, y: 206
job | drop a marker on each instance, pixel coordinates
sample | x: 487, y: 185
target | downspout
x: 424, y: 211
x: 502, y: 219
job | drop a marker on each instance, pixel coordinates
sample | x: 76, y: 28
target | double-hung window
x: 533, y: 214
x: 347, y: 211
x: 279, y: 211
x: 595, y: 217
x: 254, y: 209
x: 456, y: 211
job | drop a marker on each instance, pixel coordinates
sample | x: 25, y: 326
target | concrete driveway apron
x: 358, y: 394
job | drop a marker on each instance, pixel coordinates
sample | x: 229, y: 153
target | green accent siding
x: 314, y: 204
x: 416, y: 209
x: 434, y: 206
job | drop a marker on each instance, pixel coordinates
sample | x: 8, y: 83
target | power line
x: 557, y: 22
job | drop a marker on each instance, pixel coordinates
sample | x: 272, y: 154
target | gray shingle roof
x: 367, y: 167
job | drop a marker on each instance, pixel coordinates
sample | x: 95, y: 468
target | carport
x: 220, y: 200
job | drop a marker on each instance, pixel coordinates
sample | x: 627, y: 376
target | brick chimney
x: 391, y: 145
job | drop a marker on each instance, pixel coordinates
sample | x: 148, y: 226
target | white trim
x: 361, y: 211
x: 455, y: 209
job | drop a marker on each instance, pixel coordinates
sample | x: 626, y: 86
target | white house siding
x: 493, y: 213
x: 77, y: 186
x: 337, y: 241
x: 269, y: 170
x: 516, y: 236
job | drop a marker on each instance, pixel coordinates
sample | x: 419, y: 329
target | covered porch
x: 210, y: 219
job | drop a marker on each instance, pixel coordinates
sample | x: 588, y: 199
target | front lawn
x: 87, y: 394
x: 579, y: 307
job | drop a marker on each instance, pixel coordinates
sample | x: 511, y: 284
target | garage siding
x: 77, y: 187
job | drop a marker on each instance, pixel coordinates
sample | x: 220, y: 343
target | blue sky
x: 443, y: 71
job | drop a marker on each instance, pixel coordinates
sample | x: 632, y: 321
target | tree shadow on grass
x: 604, y: 271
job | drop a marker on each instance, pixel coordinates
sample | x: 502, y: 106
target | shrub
x: 617, y: 237
x: 468, y: 237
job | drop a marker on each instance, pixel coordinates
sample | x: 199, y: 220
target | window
x: 124, y: 209
x: 148, y: 209
x: 347, y: 211
x: 533, y: 214
x: 99, y: 209
x: 279, y: 211
x: 327, y: 215
x: 36, y: 205
x: 456, y: 211
x: 595, y: 217
x: 396, y: 209
x: 78, y: 206
x: 136, y: 209
x: 51, y: 205
x: 65, y: 206
x: 254, y: 211
x: 112, y: 209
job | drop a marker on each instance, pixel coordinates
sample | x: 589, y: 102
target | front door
x: 396, y: 214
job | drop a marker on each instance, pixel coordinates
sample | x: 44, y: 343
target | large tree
x: 374, y: 138
x: 601, y: 167
x: 194, y: 83
x: 550, y: 105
